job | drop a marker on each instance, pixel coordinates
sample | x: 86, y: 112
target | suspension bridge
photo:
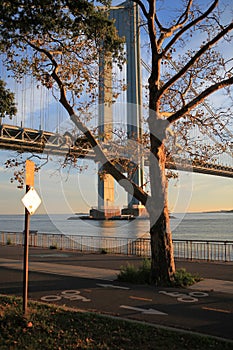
x: 28, y: 140
x: 35, y: 106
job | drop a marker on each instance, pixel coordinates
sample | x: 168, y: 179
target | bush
x: 137, y: 275
x: 142, y: 275
x: 53, y: 246
x: 182, y: 278
x: 8, y: 242
x: 103, y: 251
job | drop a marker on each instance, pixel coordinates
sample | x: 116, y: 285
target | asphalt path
x: 200, y: 310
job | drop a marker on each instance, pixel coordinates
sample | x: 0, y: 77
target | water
x: 206, y: 226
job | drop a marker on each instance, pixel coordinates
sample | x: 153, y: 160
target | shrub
x: 53, y: 246
x: 142, y: 275
x: 8, y: 242
x: 137, y: 275
x: 182, y: 278
x: 103, y: 251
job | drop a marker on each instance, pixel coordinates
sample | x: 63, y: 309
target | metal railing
x: 208, y: 250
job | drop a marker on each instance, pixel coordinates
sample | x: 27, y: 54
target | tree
x: 7, y: 107
x: 203, y: 68
x: 58, y: 37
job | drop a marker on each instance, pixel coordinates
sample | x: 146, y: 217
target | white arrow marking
x: 143, y: 311
x: 111, y: 286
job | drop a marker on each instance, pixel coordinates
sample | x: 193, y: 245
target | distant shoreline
x: 218, y: 211
x: 230, y: 211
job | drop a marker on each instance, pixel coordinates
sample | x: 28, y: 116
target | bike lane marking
x: 139, y: 298
x: 191, y: 297
x: 111, y: 286
x: 143, y: 311
x: 217, y: 310
x: 71, y: 294
x: 50, y: 298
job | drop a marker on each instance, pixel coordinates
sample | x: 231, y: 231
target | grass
x: 142, y: 275
x: 56, y: 328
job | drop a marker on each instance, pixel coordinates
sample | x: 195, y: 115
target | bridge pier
x: 126, y: 21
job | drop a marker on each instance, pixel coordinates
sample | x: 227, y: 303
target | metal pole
x: 25, y: 270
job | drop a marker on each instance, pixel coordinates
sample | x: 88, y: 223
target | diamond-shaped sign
x: 31, y: 201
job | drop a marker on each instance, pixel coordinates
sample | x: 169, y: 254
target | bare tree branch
x: 190, y: 25
x: 166, y: 33
x: 194, y: 59
x: 100, y: 156
x: 196, y: 101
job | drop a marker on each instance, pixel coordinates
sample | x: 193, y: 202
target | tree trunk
x: 162, y: 259
x: 162, y: 265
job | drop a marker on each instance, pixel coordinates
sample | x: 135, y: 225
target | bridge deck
x: 39, y: 141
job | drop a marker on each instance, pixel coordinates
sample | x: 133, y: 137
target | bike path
x: 216, y: 276
x: 88, y: 282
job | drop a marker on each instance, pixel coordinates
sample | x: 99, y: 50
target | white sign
x: 31, y: 200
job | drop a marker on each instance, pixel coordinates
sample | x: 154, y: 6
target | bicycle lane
x: 200, y: 311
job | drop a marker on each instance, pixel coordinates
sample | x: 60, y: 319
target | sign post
x: 29, y: 181
x: 25, y: 260
x: 31, y: 201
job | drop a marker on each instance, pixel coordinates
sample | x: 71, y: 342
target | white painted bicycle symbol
x: 66, y: 294
x: 191, y: 297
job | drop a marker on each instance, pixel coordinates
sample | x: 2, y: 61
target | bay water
x: 204, y: 226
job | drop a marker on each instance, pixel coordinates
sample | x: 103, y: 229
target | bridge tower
x: 126, y: 18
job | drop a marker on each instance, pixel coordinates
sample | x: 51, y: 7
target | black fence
x: 183, y: 249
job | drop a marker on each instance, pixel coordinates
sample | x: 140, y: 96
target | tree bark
x: 162, y: 264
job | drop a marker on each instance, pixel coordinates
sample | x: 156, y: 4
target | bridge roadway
x: 39, y: 141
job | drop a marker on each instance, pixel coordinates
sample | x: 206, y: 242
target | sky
x: 77, y: 192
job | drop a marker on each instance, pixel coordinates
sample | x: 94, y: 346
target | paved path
x: 88, y: 282
x: 62, y: 270
x: 217, y: 276
x: 208, y: 284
